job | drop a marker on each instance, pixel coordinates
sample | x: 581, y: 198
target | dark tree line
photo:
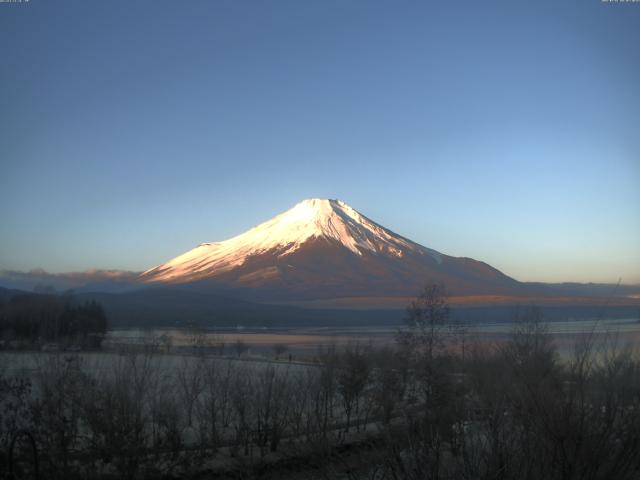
x: 37, y: 317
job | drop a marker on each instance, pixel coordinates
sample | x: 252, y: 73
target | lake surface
x: 308, y: 341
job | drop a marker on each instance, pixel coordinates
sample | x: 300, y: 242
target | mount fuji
x: 322, y: 249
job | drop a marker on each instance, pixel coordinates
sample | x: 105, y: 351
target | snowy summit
x: 284, y: 234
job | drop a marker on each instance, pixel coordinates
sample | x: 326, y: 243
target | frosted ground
x: 25, y: 363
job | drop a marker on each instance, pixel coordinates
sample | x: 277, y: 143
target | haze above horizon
x: 132, y: 131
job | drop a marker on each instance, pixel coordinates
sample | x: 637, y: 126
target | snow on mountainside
x: 286, y: 233
x: 325, y: 248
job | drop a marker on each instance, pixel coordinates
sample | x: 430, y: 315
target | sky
x: 509, y: 132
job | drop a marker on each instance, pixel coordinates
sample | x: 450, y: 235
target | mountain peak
x: 313, y: 208
x: 333, y: 220
x: 319, y: 212
x: 314, y: 218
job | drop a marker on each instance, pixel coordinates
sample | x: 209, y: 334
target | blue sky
x: 130, y: 131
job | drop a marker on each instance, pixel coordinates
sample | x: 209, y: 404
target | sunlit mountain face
x: 326, y: 249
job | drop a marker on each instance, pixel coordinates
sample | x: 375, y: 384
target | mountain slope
x: 325, y: 249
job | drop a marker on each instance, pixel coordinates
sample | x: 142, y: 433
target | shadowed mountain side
x: 177, y: 307
x: 382, y: 302
x: 589, y: 289
x: 154, y: 307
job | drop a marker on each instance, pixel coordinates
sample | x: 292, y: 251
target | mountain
x: 326, y: 249
x: 320, y: 263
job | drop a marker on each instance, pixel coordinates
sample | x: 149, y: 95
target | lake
x: 307, y: 341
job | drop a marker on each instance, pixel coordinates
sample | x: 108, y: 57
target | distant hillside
x: 182, y: 307
x: 177, y: 307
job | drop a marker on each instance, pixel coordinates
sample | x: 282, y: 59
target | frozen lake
x: 307, y: 341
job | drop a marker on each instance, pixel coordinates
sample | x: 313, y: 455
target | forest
x: 30, y: 319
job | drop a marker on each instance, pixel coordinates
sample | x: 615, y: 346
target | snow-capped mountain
x: 326, y: 249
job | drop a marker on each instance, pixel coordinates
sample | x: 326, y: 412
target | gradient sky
x: 130, y: 131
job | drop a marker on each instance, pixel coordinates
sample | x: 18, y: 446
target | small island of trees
x: 30, y: 320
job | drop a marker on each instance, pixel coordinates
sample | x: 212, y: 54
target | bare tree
x: 190, y: 379
x: 388, y: 388
x: 116, y: 414
x: 215, y: 408
x: 240, y: 347
x: 241, y: 397
x: 15, y: 395
x: 57, y: 408
x: 325, y: 393
x: 279, y: 349
x: 271, y: 407
x: 424, y: 331
x: 353, y: 376
x: 302, y: 385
